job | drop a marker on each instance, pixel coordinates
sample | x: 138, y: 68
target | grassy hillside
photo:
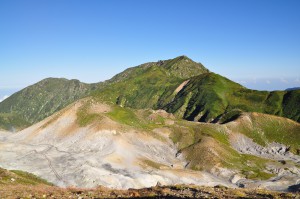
x: 209, y: 97
x: 149, y: 85
x: 265, y: 129
x: 12, y: 122
x: 181, y: 67
x: 16, y: 177
x: 40, y: 100
x: 180, y: 86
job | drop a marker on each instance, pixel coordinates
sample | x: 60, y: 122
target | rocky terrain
x: 105, y: 153
x: 88, y: 144
x: 162, y: 192
x: 162, y: 123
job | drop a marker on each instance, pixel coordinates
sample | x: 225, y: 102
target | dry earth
x: 118, y: 156
x: 107, y: 154
x: 162, y: 192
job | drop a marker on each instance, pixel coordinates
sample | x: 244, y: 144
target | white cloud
x: 254, y: 80
x: 284, y: 80
x: 242, y: 82
x: 268, y: 81
x: 297, y: 80
x: 3, y: 98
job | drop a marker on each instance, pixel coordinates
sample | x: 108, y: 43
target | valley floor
x: 89, y: 144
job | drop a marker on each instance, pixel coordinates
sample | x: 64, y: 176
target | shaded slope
x: 40, y: 100
x: 204, y: 97
x: 291, y: 105
x: 209, y: 97
x: 12, y: 122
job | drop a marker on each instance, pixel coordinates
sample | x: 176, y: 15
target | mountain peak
x: 183, y: 57
x: 176, y: 59
x: 180, y: 67
x: 183, y: 67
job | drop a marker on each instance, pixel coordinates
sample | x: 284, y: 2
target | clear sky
x: 256, y: 43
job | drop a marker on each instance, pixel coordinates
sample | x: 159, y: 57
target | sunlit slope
x: 179, y: 86
x: 265, y: 129
x: 208, y: 97
x: 15, y: 177
x: 150, y: 85
x: 40, y: 100
x: 121, y: 147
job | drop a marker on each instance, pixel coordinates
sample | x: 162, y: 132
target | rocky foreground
x: 177, y: 191
x: 19, y: 184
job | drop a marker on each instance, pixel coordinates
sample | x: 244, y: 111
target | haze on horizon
x: 255, y: 43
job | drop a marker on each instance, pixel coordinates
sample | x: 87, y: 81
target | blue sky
x: 256, y: 43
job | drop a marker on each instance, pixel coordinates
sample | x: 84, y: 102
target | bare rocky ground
x: 105, y: 155
x: 287, y: 173
x: 119, y: 157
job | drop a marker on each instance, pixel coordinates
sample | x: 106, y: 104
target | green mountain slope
x: 181, y: 67
x: 40, y: 100
x: 12, y: 122
x: 150, y: 85
x: 197, y: 96
x: 210, y: 97
x: 180, y: 86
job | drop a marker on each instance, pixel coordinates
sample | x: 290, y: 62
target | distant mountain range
x: 180, y: 86
x: 291, y: 89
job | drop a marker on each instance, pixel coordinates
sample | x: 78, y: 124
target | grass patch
x: 125, y: 116
x: 28, y: 178
x: 265, y: 129
x: 15, y: 177
x: 206, y: 145
x: 135, y: 118
x: 152, y: 164
x: 85, y: 118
